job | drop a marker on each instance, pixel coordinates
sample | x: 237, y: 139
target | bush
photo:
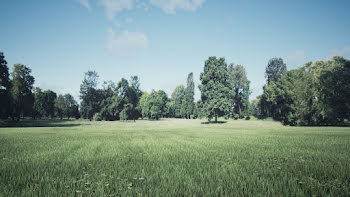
x: 247, y: 118
x: 236, y: 116
x: 97, y: 117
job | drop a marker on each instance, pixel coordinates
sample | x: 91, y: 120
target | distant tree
x: 289, y: 97
x: 89, y: 95
x: 60, y: 105
x: 5, y: 85
x: 38, y: 107
x: 255, y: 110
x: 331, y: 88
x: 240, y: 83
x: 71, y: 106
x: 215, y: 88
x: 108, y: 107
x: 154, y: 104
x: 197, y: 111
x: 143, y: 103
x: 189, y: 96
x: 21, y: 91
x: 49, y: 103
x: 275, y: 69
x: 178, y: 99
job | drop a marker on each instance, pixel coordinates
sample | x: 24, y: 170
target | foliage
x: 189, y: 96
x: 240, y: 83
x: 154, y: 105
x: 5, y: 85
x: 21, y: 90
x: 89, y: 95
x: 275, y: 69
x: 215, y: 88
x: 97, y: 117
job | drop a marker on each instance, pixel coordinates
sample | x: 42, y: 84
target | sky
x: 162, y: 41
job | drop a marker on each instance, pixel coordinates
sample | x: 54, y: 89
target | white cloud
x: 345, y: 52
x: 112, y: 7
x: 85, y: 3
x: 129, y: 20
x: 170, y: 6
x: 127, y: 43
x: 296, y: 59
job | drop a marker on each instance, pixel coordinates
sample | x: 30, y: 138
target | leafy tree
x: 60, y: 105
x: 289, y: 97
x: 21, y: 91
x: 178, y: 99
x: 154, y: 104
x: 71, y: 106
x: 143, y: 103
x: 240, y: 83
x: 89, y: 95
x: 108, y: 107
x: 189, y: 96
x: 215, y: 88
x: 275, y: 69
x: 49, y: 103
x: 5, y: 85
x: 38, y: 107
x: 331, y: 87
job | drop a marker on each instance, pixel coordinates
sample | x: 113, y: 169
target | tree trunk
x: 216, y: 117
x: 239, y: 111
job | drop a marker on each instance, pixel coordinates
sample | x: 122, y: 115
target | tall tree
x: 178, y: 100
x: 275, y: 69
x: 215, y: 88
x: 60, y: 105
x: 240, y: 83
x: 89, y: 95
x: 189, y: 96
x: 38, y: 107
x: 21, y: 91
x: 49, y: 103
x: 5, y: 84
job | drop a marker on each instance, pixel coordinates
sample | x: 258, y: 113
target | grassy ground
x: 173, y: 158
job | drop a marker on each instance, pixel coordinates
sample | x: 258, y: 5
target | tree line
x: 315, y: 94
x: 18, y: 97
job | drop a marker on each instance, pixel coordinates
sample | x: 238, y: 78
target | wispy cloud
x: 112, y: 7
x: 345, y: 52
x: 127, y: 43
x: 170, y: 6
x: 296, y: 59
x: 85, y: 3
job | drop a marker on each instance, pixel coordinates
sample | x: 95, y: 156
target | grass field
x: 173, y: 158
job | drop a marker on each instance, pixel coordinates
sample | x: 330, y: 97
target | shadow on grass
x: 39, y: 123
x: 212, y: 122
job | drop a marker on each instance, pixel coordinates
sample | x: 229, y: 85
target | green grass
x: 173, y: 158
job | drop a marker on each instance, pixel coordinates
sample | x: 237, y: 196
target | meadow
x: 173, y: 157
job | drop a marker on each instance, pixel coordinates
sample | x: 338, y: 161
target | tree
x: 178, y: 100
x: 189, y: 96
x: 38, y: 108
x: 21, y: 91
x: 215, y: 88
x: 275, y: 69
x: 5, y: 85
x: 60, y: 105
x: 49, y: 103
x: 89, y: 95
x: 108, y: 107
x: 71, y: 106
x: 240, y: 83
x: 154, y: 104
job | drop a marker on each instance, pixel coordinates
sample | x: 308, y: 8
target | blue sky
x: 162, y: 41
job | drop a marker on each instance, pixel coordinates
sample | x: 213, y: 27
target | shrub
x: 97, y: 117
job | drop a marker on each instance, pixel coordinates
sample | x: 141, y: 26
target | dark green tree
x: 89, y: 95
x: 240, y: 83
x: 5, y: 85
x: 21, y: 91
x: 189, y: 96
x: 178, y: 101
x: 49, y: 103
x: 275, y: 69
x: 215, y: 88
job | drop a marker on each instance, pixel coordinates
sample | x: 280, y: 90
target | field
x: 173, y: 157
